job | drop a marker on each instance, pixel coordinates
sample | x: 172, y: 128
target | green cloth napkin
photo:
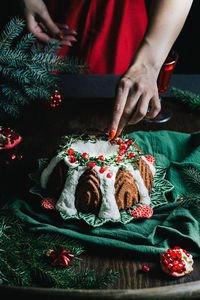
x: 173, y: 224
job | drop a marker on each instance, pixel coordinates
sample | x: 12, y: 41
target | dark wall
x: 187, y: 44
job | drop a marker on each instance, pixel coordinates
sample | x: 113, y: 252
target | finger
x: 141, y: 110
x: 34, y: 28
x: 51, y: 26
x: 155, y: 107
x: 120, y: 101
x: 66, y: 29
x: 128, y: 110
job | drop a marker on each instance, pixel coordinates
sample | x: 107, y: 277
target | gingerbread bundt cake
x: 94, y: 175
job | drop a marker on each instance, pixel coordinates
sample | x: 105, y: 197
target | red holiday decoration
x: 70, y: 152
x: 85, y: 155
x: 109, y: 175
x: 119, y: 158
x: 150, y: 159
x: 145, y: 268
x: 60, y: 258
x: 55, y: 100
x: 177, y: 262
x: 122, y: 151
x: 129, y: 142
x: 101, y: 157
x: 102, y: 169
x: 142, y: 211
x: 119, y: 141
x: 124, y: 146
x: 131, y: 155
x: 72, y: 159
x: 92, y: 165
x: 48, y: 203
x: 112, y: 142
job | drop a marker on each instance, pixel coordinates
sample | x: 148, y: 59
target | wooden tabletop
x: 41, y: 130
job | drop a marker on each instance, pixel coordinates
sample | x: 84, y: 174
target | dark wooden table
x: 41, y: 128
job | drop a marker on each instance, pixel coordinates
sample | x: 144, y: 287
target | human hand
x: 42, y: 26
x: 136, y: 92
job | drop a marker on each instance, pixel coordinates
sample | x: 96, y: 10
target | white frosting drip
x: 144, y: 193
x: 66, y: 202
x: 95, y: 149
x: 109, y: 208
x: 152, y: 168
x: 49, y: 169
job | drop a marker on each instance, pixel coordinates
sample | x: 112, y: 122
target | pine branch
x: 192, y: 99
x: 192, y: 179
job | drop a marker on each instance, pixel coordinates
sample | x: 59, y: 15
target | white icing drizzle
x: 49, y: 169
x: 109, y: 208
x: 66, y: 202
x: 152, y: 168
x: 143, y: 191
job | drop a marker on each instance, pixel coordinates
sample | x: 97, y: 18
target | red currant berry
x: 119, y: 158
x: 85, y: 155
x: 122, y: 151
x: 124, y: 146
x: 131, y: 155
x: 102, y: 169
x: 70, y: 152
x: 92, y: 165
x: 101, y: 157
x: 180, y: 199
x: 72, y: 159
x: 109, y: 175
x: 119, y: 141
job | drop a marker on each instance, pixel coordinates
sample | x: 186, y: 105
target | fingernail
x: 60, y: 35
x: 117, y: 134
x: 112, y: 134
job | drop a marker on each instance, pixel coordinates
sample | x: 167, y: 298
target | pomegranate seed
x: 85, y: 155
x: 72, y: 159
x: 102, y: 169
x: 119, y: 141
x: 92, y: 165
x: 109, y: 175
x: 101, y: 157
x: 131, y: 155
x: 70, y: 152
x: 145, y: 268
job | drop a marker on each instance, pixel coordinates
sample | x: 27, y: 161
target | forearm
x: 166, y: 20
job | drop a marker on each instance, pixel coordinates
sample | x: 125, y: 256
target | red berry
x: 102, y: 169
x: 180, y: 199
x: 70, y: 151
x: 122, y: 151
x: 112, y: 142
x: 109, y: 175
x: 124, y: 146
x: 101, y: 157
x: 72, y: 159
x: 129, y: 142
x: 119, y: 141
x: 131, y: 155
x: 145, y: 268
x: 119, y: 158
x: 92, y: 165
x: 85, y: 155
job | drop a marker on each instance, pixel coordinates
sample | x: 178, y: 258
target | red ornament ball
x: 70, y: 151
x: 72, y: 159
x: 85, y: 155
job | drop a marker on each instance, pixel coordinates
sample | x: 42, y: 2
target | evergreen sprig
x: 23, y: 260
x: 28, y: 70
x: 192, y: 99
x: 192, y: 179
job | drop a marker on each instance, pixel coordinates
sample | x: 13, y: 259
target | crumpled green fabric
x: 176, y: 223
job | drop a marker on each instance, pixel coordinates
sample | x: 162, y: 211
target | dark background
x: 187, y: 44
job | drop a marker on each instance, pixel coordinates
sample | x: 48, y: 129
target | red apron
x: 109, y: 31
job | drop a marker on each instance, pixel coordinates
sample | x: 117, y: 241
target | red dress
x: 109, y: 31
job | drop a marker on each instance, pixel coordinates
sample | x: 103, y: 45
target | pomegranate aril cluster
x: 172, y: 260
